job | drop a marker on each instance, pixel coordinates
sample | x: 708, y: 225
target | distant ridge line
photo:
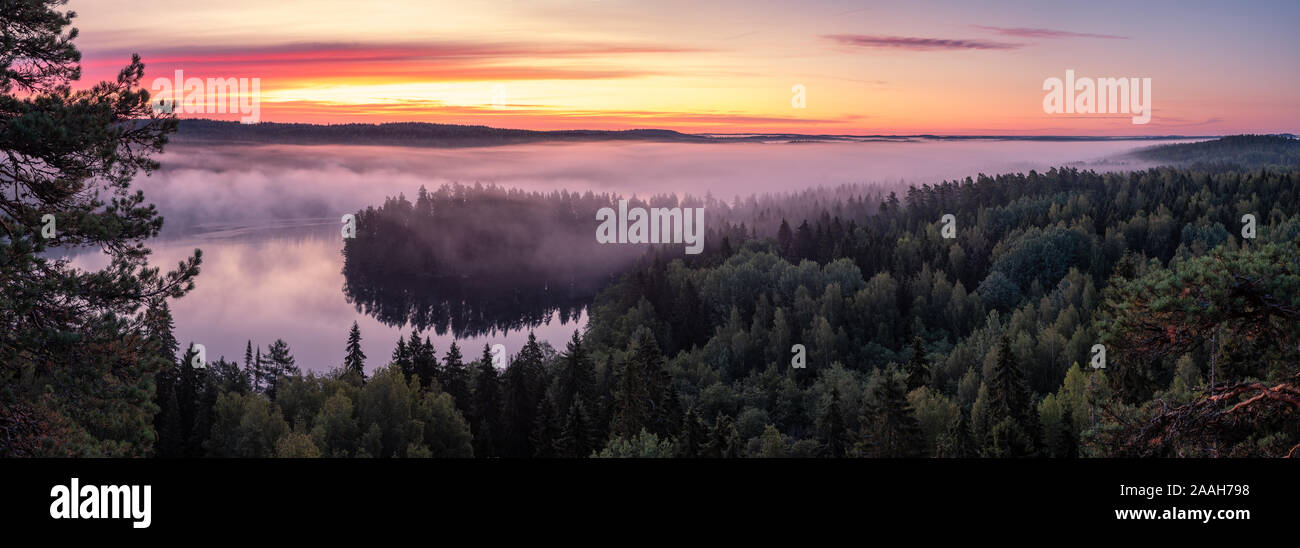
x: 453, y: 135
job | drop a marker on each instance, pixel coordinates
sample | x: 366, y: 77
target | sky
x: 915, y: 67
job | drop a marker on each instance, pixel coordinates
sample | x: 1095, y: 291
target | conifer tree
x: 918, y: 367
x: 522, y: 394
x: 402, y: 358
x: 486, y: 415
x: 723, y: 439
x: 575, y: 379
x: 455, y: 379
x: 77, y: 375
x: 260, y: 381
x: 642, y: 391
x: 354, y: 363
x: 248, y: 361
x: 1013, y: 420
x: 691, y: 437
x: 892, y: 430
x: 424, y: 360
x: 831, y: 429
x: 545, y: 430
x: 279, y: 363
x: 577, y: 437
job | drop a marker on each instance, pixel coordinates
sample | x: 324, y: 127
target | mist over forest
x: 203, y: 188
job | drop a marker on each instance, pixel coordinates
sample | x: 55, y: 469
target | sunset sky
x: 948, y: 67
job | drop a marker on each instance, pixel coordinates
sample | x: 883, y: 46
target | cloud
x: 1023, y: 32
x: 448, y: 60
x: 917, y: 44
x: 436, y: 111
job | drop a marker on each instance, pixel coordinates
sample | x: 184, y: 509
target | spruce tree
x: 641, y: 402
x: 575, y: 379
x: 354, y: 363
x: 402, y: 358
x: 485, y: 418
x: 260, y: 383
x: 831, y: 429
x: 455, y: 379
x: 691, y: 437
x: 577, y: 437
x: 918, y: 367
x: 522, y: 393
x: 545, y: 430
x: 1069, y: 446
x: 248, y: 361
x: 424, y: 360
x: 1013, y: 419
x: 892, y: 430
x: 785, y: 240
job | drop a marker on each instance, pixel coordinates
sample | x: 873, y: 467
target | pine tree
x: 76, y: 370
x: 279, y: 363
x: 354, y: 363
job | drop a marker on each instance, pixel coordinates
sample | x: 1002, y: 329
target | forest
x: 981, y: 345
x: 1067, y: 313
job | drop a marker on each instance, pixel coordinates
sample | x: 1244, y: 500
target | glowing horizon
x: 922, y: 67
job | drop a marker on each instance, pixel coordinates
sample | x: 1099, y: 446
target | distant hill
x: 1231, y: 151
x: 402, y: 133
x: 451, y: 135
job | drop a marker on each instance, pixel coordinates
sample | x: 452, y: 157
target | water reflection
x: 266, y: 283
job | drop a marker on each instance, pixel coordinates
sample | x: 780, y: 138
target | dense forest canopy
x: 1230, y: 151
x: 984, y: 344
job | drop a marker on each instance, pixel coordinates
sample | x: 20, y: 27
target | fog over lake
x: 267, y: 216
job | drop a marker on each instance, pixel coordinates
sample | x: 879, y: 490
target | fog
x: 210, y: 187
x: 267, y: 217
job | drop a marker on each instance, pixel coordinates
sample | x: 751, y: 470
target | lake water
x: 267, y: 217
